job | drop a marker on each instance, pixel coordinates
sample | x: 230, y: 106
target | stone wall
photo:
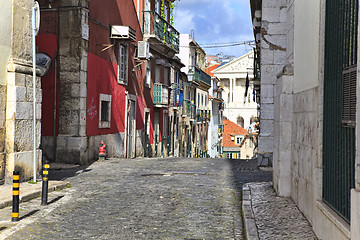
x: 273, y: 58
x: 16, y: 101
x: 283, y: 101
x: 72, y: 142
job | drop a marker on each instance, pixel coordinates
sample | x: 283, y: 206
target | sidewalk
x: 268, y: 216
x: 28, y: 191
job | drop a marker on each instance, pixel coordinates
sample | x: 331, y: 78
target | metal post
x: 16, y: 189
x: 162, y: 146
x: 45, y: 183
x: 34, y: 87
x: 156, y: 147
x: 147, y: 145
x: 168, y: 146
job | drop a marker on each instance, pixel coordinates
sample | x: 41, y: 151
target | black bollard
x: 45, y: 183
x: 16, y: 200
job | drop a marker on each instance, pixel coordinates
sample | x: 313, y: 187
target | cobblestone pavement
x: 275, y: 217
x: 141, y: 199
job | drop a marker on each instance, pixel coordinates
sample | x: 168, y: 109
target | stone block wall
x: 16, y: 93
x: 305, y: 149
x: 72, y: 143
x: 19, y: 125
x: 273, y: 59
x: 283, y: 101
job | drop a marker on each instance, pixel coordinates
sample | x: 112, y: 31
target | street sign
x: 36, y: 12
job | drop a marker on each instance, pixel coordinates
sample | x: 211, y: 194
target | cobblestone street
x: 144, y: 199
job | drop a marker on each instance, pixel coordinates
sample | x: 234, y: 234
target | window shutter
x: 349, y: 97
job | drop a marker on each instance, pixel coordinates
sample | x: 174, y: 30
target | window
x: 238, y: 139
x: 157, y: 6
x: 147, y: 75
x: 166, y: 13
x: 122, y: 63
x: 165, y: 124
x: 228, y: 155
x: 104, y: 110
x: 157, y: 74
x: 166, y: 76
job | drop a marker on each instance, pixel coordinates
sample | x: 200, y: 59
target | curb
x: 251, y: 232
x: 27, y: 196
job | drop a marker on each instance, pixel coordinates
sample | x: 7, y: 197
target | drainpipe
x: 54, y: 124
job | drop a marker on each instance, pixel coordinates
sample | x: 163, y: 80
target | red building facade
x: 110, y: 78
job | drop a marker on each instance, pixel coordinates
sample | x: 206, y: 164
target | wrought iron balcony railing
x: 155, y: 25
x: 188, y: 109
x: 205, y: 78
x: 161, y: 94
x: 196, y: 75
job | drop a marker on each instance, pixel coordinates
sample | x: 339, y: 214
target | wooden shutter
x: 349, y: 97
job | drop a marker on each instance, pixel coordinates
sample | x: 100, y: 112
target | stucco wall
x: 306, y: 42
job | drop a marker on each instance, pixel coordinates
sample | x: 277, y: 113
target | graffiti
x: 92, y: 109
x: 82, y: 116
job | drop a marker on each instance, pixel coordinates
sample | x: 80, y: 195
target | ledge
x: 333, y: 217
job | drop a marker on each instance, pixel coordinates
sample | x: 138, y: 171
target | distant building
x: 234, y: 77
x: 237, y: 142
x: 193, y: 56
x: 219, y: 58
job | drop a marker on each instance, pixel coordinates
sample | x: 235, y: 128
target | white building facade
x: 315, y: 145
x: 239, y: 108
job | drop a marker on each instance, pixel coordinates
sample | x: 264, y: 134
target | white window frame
x: 157, y: 7
x: 239, y: 139
x: 104, y: 98
x: 147, y: 74
x: 122, y: 57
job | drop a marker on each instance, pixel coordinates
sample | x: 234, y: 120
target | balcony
x: 176, y: 96
x: 188, y: 109
x: 202, y: 116
x: 161, y: 95
x: 217, y: 94
x: 157, y: 30
x: 222, y: 106
x: 205, y: 78
x: 196, y: 75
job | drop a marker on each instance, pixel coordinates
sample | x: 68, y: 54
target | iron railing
x: 188, y: 109
x: 155, y: 25
x: 338, y: 140
x: 196, y: 75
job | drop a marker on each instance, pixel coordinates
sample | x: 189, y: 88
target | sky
x: 216, y: 21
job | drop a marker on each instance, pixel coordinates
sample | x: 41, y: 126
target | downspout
x: 55, y: 113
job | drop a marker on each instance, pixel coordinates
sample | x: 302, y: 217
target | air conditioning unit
x: 143, y: 51
x: 122, y: 32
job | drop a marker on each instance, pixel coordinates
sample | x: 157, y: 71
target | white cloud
x: 215, y: 21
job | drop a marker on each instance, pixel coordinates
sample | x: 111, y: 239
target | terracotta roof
x: 209, y: 69
x: 232, y: 129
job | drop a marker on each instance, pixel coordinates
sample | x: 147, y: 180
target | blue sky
x: 216, y: 21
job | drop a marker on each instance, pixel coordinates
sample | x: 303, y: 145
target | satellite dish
x: 43, y: 62
x: 36, y: 12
